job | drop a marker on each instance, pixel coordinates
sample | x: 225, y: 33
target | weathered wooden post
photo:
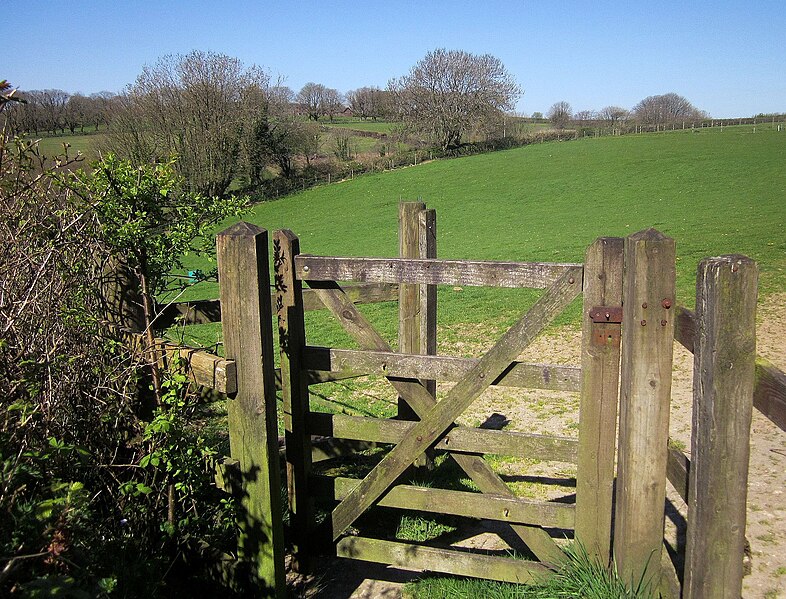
x: 253, y: 433
x: 724, y: 374
x: 600, y: 367
x: 294, y: 391
x: 645, y: 390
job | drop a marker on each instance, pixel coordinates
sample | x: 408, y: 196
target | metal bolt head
x: 663, y: 323
x: 644, y: 305
x: 644, y: 323
x: 666, y: 303
x: 306, y: 268
x: 571, y: 280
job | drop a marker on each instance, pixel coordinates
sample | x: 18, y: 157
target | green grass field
x: 713, y: 192
x: 53, y: 146
x: 358, y: 125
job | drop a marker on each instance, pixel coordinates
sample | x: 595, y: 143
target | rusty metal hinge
x: 606, y: 314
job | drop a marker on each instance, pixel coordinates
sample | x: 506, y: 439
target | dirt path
x: 557, y: 413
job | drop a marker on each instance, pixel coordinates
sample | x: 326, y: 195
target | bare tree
x: 585, y: 118
x: 449, y: 91
x: 560, y: 114
x: 311, y: 96
x: 196, y: 106
x: 614, y: 116
x: 332, y: 102
x: 666, y: 108
x: 366, y: 102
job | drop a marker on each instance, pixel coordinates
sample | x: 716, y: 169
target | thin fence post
x: 600, y: 366
x: 645, y: 390
x: 294, y: 392
x: 253, y: 432
x: 427, y: 248
x: 723, y: 381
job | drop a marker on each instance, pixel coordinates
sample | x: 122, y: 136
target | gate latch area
x: 606, y: 314
x: 605, y: 325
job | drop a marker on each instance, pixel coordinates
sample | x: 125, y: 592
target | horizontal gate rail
x: 533, y: 275
x: 458, y: 563
x: 458, y: 503
x: 459, y: 439
x: 443, y: 368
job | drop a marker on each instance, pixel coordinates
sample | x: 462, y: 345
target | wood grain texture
x: 769, y: 396
x: 294, y: 391
x: 253, y: 431
x: 458, y: 399
x: 459, y: 439
x: 535, y: 275
x: 600, y: 364
x: 724, y: 366
x: 541, y: 544
x: 459, y: 563
x: 442, y: 368
x: 645, y: 391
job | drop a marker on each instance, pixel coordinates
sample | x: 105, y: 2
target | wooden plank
x: 678, y: 472
x: 460, y: 439
x: 206, y: 311
x: 685, y: 327
x: 460, y: 503
x: 253, y: 430
x: 443, y: 368
x: 724, y: 366
x: 600, y: 364
x: 769, y: 396
x: 294, y: 391
x: 458, y: 563
x: 541, y: 544
x: 458, y: 399
x: 408, y: 293
x: 535, y: 275
x: 645, y: 390
x: 204, y: 369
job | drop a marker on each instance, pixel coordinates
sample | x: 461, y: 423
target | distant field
x: 52, y: 146
x: 714, y: 192
x: 374, y: 126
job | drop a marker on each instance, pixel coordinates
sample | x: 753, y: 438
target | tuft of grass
x: 580, y: 577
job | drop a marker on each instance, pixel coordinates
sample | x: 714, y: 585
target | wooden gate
x: 433, y: 423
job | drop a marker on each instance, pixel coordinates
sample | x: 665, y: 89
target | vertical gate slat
x: 253, y: 431
x: 600, y: 363
x: 724, y: 376
x: 294, y: 390
x: 645, y: 390
x: 427, y: 242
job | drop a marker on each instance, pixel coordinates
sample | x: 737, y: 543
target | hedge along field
x: 714, y: 191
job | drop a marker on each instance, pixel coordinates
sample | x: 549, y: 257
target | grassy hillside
x: 714, y: 192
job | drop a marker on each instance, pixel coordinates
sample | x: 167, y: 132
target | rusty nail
x: 644, y: 323
x: 644, y: 305
x: 663, y: 323
x: 666, y: 303
x: 420, y: 438
x: 734, y: 268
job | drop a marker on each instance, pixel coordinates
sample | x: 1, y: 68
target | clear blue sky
x: 728, y: 58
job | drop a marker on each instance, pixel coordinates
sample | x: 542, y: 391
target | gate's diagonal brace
x: 442, y: 415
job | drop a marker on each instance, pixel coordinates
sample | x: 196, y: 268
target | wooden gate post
x: 600, y: 368
x: 409, y: 294
x: 645, y: 390
x: 723, y: 380
x: 294, y: 392
x: 253, y: 431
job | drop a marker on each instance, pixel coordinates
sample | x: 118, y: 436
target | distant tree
x: 103, y: 105
x: 366, y: 102
x: 614, y: 116
x: 312, y: 97
x: 332, y: 102
x: 560, y: 114
x: 537, y: 115
x: 666, y: 108
x: 449, y: 91
x: 198, y: 107
x: 585, y: 118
